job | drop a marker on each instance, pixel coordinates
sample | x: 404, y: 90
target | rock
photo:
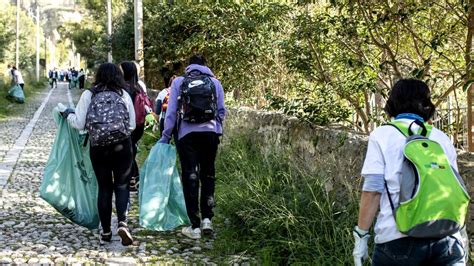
x: 8, y: 223
x: 196, y: 249
x: 121, y: 261
x: 19, y: 261
x: 5, y: 260
x: 20, y: 225
x: 33, y: 261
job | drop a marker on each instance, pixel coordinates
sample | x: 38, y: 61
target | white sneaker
x: 191, y: 233
x: 207, y: 226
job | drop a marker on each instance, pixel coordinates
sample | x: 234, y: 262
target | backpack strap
x: 406, y: 130
x: 389, y: 198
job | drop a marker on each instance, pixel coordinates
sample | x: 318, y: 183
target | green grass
x: 7, y: 107
x: 278, y: 212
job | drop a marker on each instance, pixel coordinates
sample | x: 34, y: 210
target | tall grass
x: 278, y: 212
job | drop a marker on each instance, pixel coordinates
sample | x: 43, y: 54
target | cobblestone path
x: 32, y: 232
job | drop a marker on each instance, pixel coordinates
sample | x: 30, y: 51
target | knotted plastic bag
x: 161, y: 197
x: 69, y: 183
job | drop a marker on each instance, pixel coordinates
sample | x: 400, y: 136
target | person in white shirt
x: 112, y: 163
x: 409, y: 100
x: 161, y: 103
x: 17, y: 77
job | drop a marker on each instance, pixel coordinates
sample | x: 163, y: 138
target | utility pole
x: 17, y: 52
x: 138, y: 26
x: 470, y: 118
x: 38, y: 47
x: 470, y: 92
x: 109, y: 30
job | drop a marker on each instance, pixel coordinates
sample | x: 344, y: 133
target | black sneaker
x: 134, y: 182
x: 107, y: 237
x: 124, y: 234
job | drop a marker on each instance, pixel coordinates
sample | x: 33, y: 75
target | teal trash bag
x: 69, y: 183
x: 16, y: 93
x: 161, y: 197
x: 73, y: 83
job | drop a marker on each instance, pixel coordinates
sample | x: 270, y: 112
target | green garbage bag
x: 73, y: 83
x: 16, y: 93
x: 161, y: 197
x: 69, y: 183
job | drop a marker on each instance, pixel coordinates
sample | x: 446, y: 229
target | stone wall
x: 329, y: 151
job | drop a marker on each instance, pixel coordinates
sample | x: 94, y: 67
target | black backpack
x: 107, y: 119
x: 197, y: 102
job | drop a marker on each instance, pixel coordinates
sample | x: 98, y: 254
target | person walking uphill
x: 142, y: 105
x: 111, y: 146
x: 410, y: 174
x: 196, y: 108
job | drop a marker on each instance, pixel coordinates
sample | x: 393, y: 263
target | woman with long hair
x: 134, y: 86
x: 111, y: 150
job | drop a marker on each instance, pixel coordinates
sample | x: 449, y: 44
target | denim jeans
x: 410, y: 251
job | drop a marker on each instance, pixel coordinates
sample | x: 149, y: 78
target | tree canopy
x: 326, y: 62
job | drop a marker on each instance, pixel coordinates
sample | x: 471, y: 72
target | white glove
x: 61, y: 107
x: 361, y: 250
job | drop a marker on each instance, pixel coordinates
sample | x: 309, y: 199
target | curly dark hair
x: 110, y: 76
x: 410, y: 96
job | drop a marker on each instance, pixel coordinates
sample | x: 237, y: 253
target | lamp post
x: 17, y: 42
x: 138, y: 26
x: 109, y: 30
x: 470, y: 119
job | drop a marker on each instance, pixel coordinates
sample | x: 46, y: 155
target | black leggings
x: 112, y: 166
x: 197, y: 153
x: 137, y: 134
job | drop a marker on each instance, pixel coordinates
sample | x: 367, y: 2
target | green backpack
x: 433, y: 198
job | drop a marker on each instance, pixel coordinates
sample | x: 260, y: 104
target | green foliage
x: 233, y: 37
x: 311, y: 104
x: 349, y: 53
x: 123, y: 41
x: 8, y: 33
x: 278, y: 211
x: 88, y: 39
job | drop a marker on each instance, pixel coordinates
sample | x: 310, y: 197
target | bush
x: 279, y: 212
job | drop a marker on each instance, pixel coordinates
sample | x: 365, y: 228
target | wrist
x: 360, y: 232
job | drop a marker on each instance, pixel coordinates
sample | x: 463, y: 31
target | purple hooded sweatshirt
x: 185, y: 127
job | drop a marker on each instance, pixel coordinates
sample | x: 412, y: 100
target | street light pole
x: 138, y: 26
x: 109, y: 29
x: 470, y: 119
x: 17, y: 52
x: 37, y: 42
